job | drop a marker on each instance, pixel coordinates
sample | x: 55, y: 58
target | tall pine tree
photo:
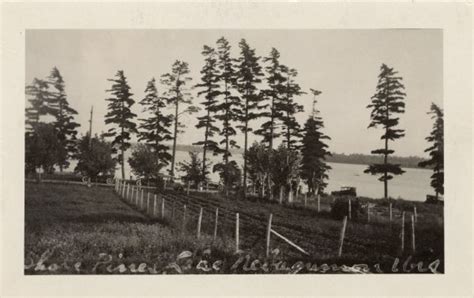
x: 65, y: 125
x: 387, y: 102
x: 436, y: 150
x: 249, y: 75
x: 314, y: 167
x: 210, y: 90
x: 226, y: 111
x: 155, y: 128
x: 288, y: 108
x: 178, y: 96
x: 276, y: 89
x: 120, y: 116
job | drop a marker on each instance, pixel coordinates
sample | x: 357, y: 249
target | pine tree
x: 65, y: 125
x: 209, y: 80
x: 288, y: 108
x: 154, y: 130
x: 177, y: 95
x: 276, y: 88
x: 436, y: 150
x: 314, y: 151
x: 226, y: 110
x: 248, y: 77
x: 386, y: 103
x: 120, y: 116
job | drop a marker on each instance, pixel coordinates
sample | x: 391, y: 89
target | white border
x: 454, y: 19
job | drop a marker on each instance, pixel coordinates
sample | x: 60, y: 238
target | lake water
x: 414, y: 184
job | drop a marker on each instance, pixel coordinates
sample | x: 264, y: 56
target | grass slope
x: 72, y: 224
x: 68, y: 224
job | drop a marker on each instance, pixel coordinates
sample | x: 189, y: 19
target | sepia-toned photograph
x: 266, y: 151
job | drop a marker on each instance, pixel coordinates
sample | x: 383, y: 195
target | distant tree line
x: 364, y: 159
x: 234, y: 92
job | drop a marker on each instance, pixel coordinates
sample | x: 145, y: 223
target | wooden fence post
x: 319, y: 202
x: 237, y: 232
x: 350, y: 211
x: 137, y: 197
x: 162, y: 207
x: 343, y: 232
x: 128, y: 191
x: 403, y: 232
x: 415, y: 214
x: 164, y: 184
x: 187, y: 188
x: 154, y: 205
x: 141, y: 201
x: 390, y: 212
x: 215, y: 224
x: 123, y: 189
x: 199, y: 224
x: 184, y: 218
x: 147, y: 203
x: 413, y: 233
x: 269, y: 229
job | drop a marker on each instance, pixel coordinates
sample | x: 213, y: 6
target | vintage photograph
x: 205, y: 151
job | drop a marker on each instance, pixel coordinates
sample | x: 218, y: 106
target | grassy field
x: 75, y: 229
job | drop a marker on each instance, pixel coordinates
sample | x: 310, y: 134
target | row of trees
x: 235, y: 92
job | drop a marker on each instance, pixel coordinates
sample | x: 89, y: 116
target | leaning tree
x: 120, y: 116
x: 287, y: 108
x: 314, y: 151
x: 154, y: 129
x: 249, y: 73
x: 177, y: 95
x: 226, y: 112
x: 65, y: 124
x: 436, y: 150
x: 387, y: 102
x: 210, y: 91
x: 275, y: 93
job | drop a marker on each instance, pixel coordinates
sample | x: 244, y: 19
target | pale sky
x: 343, y: 64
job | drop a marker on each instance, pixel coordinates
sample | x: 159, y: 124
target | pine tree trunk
x: 61, y: 116
x: 123, y: 164
x: 226, y: 154
x: 271, y: 124
x: 436, y: 190
x: 174, y: 139
x: 245, y: 147
x: 204, y: 151
x: 123, y: 158
x: 385, y: 182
